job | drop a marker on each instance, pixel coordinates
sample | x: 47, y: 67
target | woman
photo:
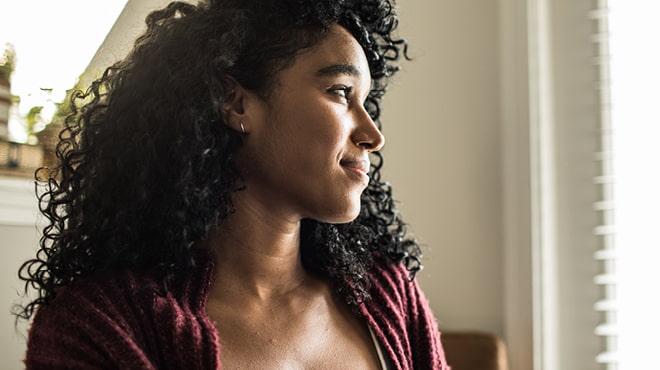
x: 215, y: 204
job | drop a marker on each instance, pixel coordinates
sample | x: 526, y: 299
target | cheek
x: 308, y: 130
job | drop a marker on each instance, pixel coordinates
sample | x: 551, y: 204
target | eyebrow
x: 339, y: 69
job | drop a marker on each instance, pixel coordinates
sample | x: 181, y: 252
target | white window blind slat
x: 607, y: 358
x: 606, y: 254
x: 605, y: 205
x: 598, y: 13
x: 606, y: 305
x: 605, y: 279
x: 607, y: 329
x: 599, y: 180
x: 604, y: 230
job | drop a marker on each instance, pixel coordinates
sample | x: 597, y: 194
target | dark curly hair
x: 147, y: 164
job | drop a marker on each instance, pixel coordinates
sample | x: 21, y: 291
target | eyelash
x: 342, y: 91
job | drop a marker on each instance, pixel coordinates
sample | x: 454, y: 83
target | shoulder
x: 91, y: 321
x: 392, y: 282
x: 116, y: 319
x: 107, y: 294
x: 401, y: 317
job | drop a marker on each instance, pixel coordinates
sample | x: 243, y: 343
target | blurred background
x: 522, y: 143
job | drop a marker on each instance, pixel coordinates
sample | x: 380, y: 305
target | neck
x: 257, y: 253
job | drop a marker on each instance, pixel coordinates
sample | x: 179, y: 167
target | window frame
x: 550, y: 132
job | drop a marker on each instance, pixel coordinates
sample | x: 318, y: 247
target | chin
x: 343, y: 220
x: 345, y: 217
x: 342, y: 212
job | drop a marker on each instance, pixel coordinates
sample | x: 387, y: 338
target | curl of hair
x: 147, y: 164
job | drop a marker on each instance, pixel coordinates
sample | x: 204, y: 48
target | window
x: 634, y: 27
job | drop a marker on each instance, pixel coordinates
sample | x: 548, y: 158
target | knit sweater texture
x: 115, y: 320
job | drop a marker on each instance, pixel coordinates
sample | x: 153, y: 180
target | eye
x: 342, y: 91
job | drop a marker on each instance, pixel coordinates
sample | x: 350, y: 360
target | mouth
x: 358, y: 166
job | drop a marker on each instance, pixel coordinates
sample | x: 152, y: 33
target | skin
x: 300, y: 159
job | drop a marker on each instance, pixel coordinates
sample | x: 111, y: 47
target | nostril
x: 376, y: 142
x: 366, y: 146
x: 371, y: 142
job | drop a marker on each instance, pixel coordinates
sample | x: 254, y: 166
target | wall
x: 442, y: 153
x: 19, y: 237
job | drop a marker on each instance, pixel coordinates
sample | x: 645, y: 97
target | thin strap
x: 379, y: 350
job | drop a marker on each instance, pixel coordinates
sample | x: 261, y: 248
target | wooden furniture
x: 472, y: 350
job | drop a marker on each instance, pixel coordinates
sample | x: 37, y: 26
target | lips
x: 360, y: 166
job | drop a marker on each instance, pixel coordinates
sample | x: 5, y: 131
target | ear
x: 238, y: 110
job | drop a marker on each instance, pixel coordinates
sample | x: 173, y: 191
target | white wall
x: 442, y: 155
x: 17, y: 247
x: 18, y: 240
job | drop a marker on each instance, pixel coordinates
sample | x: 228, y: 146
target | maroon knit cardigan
x: 116, y: 321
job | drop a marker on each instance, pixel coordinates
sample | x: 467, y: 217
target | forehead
x: 339, y: 47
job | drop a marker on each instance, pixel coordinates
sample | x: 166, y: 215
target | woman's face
x: 306, y: 151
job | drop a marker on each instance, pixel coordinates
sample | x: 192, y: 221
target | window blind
x: 606, y: 256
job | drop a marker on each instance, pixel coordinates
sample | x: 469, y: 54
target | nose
x: 366, y: 134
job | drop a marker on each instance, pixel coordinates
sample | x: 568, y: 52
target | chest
x: 318, y: 337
